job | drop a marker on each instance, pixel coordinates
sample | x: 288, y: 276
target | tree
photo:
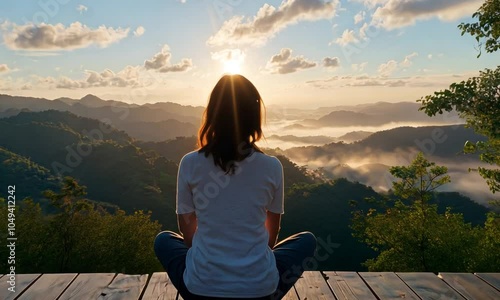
x: 81, y: 236
x: 487, y: 29
x: 477, y: 100
x: 409, y: 233
x: 69, y: 201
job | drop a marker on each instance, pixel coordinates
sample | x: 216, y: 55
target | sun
x: 233, y: 66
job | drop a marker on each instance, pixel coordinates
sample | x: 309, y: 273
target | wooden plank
x: 348, y: 286
x: 48, y: 286
x: 492, y: 279
x: 124, y: 287
x: 291, y: 295
x: 87, y: 286
x: 22, y: 282
x: 160, y: 287
x: 387, y: 285
x: 470, y: 286
x: 429, y: 286
x: 312, y: 285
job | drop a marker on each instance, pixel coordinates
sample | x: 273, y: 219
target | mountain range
x: 36, y: 148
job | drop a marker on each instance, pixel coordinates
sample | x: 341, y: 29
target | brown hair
x: 231, y: 122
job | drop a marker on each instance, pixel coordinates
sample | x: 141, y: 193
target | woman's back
x: 229, y: 206
x: 230, y: 251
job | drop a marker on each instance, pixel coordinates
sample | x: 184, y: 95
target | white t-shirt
x: 230, y: 256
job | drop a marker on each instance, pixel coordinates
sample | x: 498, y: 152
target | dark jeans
x: 292, y: 255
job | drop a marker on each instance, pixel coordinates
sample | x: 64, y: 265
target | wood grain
x: 387, y: 285
x: 492, y: 279
x: 429, y: 286
x: 312, y: 285
x: 291, y: 295
x: 470, y: 286
x: 22, y: 282
x: 348, y: 286
x: 48, y: 286
x: 160, y: 287
x: 124, y: 287
x: 87, y: 286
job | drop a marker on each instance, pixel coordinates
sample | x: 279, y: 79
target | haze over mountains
x: 127, y: 156
x: 152, y: 122
x: 166, y: 120
x: 357, y: 142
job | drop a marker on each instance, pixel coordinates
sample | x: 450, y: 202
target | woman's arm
x: 273, y: 227
x: 187, y: 226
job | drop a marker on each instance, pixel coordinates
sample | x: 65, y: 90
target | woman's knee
x: 162, y: 239
x: 308, y: 240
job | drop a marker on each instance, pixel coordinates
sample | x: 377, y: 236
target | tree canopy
x: 412, y: 236
x: 487, y: 28
x: 477, y: 99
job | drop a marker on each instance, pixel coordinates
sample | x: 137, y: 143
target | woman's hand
x: 187, y: 226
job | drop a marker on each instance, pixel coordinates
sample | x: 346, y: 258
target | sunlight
x: 231, y: 60
x: 233, y: 66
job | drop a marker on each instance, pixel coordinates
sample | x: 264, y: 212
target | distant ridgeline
x: 37, y: 148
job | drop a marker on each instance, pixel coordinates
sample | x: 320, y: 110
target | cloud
x: 228, y: 54
x: 229, y: 57
x: 139, y: 31
x: 284, y: 63
x: 399, y: 13
x: 407, y: 61
x: 359, y: 17
x: 358, y: 81
x: 359, y: 67
x: 161, y: 62
x: 371, y: 3
x: 270, y: 20
x: 363, y: 30
x: 128, y: 77
x: 437, y: 81
x: 331, y: 62
x: 348, y: 37
x: 4, y: 68
x: 386, y: 69
x: 26, y: 87
x: 37, y: 54
x: 82, y: 8
x: 43, y: 37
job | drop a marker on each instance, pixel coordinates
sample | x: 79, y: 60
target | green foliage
x: 487, y: 28
x: 477, y: 99
x: 81, y: 236
x: 419, y: 179
x: 478, y: 102
x: 411, y: 236
x: 488, y: 255
x: 100, y: 157
x: 24, y: 172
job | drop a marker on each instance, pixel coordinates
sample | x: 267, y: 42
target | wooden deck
x: 312, y: 285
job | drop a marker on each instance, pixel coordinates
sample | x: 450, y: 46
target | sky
x: 298, y: 53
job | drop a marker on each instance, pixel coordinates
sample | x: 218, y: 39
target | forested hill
x: 101, y: 158
x: 114, y: 167
x: 441, y: 141
x: 37, y: 146
x: 154, y: 122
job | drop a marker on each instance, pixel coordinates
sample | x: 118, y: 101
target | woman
x: 229, y: 206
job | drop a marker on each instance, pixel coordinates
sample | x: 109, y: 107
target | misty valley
x: 334, y: 158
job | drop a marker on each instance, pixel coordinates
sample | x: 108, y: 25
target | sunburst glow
x: 231, y: 59
x: 233, y: 66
